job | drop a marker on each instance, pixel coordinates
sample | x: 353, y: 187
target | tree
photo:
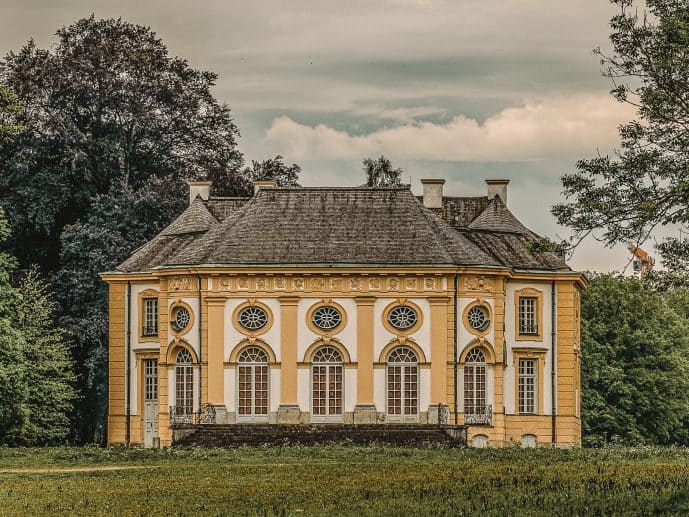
x: 10, y: 108
x: 635, y: 364
x: 13, y: 389
x: 646, y: 184
x: 379, y: 173
x: 49, y: 374
x: 106, y: 104
x: 270, y: 169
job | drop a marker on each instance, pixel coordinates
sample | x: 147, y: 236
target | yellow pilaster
x: 116, y: 362
x: 216, y: 351
x: 439, y: 343
x: 288, y: 347
x: 164, y: 432
x: 568, y: 428
x: 364, y: 352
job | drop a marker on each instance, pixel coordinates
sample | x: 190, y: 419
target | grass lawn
x: 344, y: 480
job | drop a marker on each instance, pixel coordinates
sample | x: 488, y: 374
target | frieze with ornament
x: 180, y: 283
x: 317, y: 283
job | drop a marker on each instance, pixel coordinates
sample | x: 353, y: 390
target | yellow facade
x: 441, y: 339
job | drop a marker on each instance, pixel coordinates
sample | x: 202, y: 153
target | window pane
x: 527, y: 315
x: 527, y: 385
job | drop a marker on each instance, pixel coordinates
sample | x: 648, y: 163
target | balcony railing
x: 480, y: 416
x: 186, y: 415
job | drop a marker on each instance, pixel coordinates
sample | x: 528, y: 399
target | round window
x: 402, y: 317
x: 180, y: 318
x: 253, y: 318
x: 326, y: 317
x: 478, y: 318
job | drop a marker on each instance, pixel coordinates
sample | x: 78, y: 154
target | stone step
x: 228, y: 435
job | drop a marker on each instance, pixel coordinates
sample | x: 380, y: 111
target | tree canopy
x: 379, y: 173
x: 635, y: 363
x: 646, y: 183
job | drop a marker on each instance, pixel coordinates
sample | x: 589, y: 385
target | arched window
x: 184, y: 384
x: 252, y: 385
x: 326, y: 384
x: 403, y: 385
x: 475, y: 383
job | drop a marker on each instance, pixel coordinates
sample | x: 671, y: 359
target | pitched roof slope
x: 497, y: 218
x: 342, y: 226
x: 333, y: 226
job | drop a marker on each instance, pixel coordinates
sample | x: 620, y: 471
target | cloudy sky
x: 459, y: 89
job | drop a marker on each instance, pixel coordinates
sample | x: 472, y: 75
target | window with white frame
x: 475, y: 382
x: 150, y: 317
x: 527, y: 386
x: 184, y: 384
x: 528, y: 321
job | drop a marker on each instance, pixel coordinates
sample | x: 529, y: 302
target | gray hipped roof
x: 342, y: 226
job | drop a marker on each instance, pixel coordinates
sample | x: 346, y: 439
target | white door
x: 403, y: 385
x: 150, y: 402
x: 326, y: 382
x: 403, y: 393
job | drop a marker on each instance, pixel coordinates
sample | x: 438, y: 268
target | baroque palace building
x: 347, y: 305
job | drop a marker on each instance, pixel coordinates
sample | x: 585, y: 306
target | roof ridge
x: 427, y: 216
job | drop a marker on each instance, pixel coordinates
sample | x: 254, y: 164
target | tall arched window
x: 252, y: 385
x: 403, y: 385
x: 326, y: 384
x: 184, y: 386
x: 475, y: 383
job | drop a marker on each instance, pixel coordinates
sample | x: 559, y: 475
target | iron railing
x: 480, y: 416
x: 186, y: 415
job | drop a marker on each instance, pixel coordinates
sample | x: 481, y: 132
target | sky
x: 464, y: 90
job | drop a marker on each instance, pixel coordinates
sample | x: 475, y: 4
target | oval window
x: 402, y: 317
x: 253, y: 318
x: 326, y: 317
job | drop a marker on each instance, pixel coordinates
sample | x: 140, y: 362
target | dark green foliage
x: 635, y: 363
x: 10, y: 108
x: 379, y: 173
x: 48, y: 369
x: 13, y: 389
x: 107, y: 104
x: 647, y: 183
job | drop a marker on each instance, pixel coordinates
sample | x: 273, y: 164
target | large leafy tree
x: 107, y: 104
x: 380, y: 173
x: 646, y: 183
x: 48, y: 369
x: 635, y: 363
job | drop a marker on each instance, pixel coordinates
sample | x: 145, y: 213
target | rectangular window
x: 528, y: 323
x: 150, y: 380
x: 150, y: 317
x: 527, y: 386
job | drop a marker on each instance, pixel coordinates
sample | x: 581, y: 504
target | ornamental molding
x: 318, y: 283
x: 479, y: 283
x: 180, y: 283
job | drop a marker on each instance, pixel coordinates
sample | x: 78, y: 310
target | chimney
x: 199, y: 188
x: 498, y: 188
x: 433, y: 193
x: 264, y: 184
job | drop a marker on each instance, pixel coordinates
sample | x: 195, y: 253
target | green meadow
x: 344, y: 481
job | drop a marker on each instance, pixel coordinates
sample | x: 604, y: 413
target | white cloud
x: 560, y: 128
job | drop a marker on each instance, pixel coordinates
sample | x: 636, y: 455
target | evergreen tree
x: 49, y: 374
x: 13, y: 389
x: 635, y: 364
